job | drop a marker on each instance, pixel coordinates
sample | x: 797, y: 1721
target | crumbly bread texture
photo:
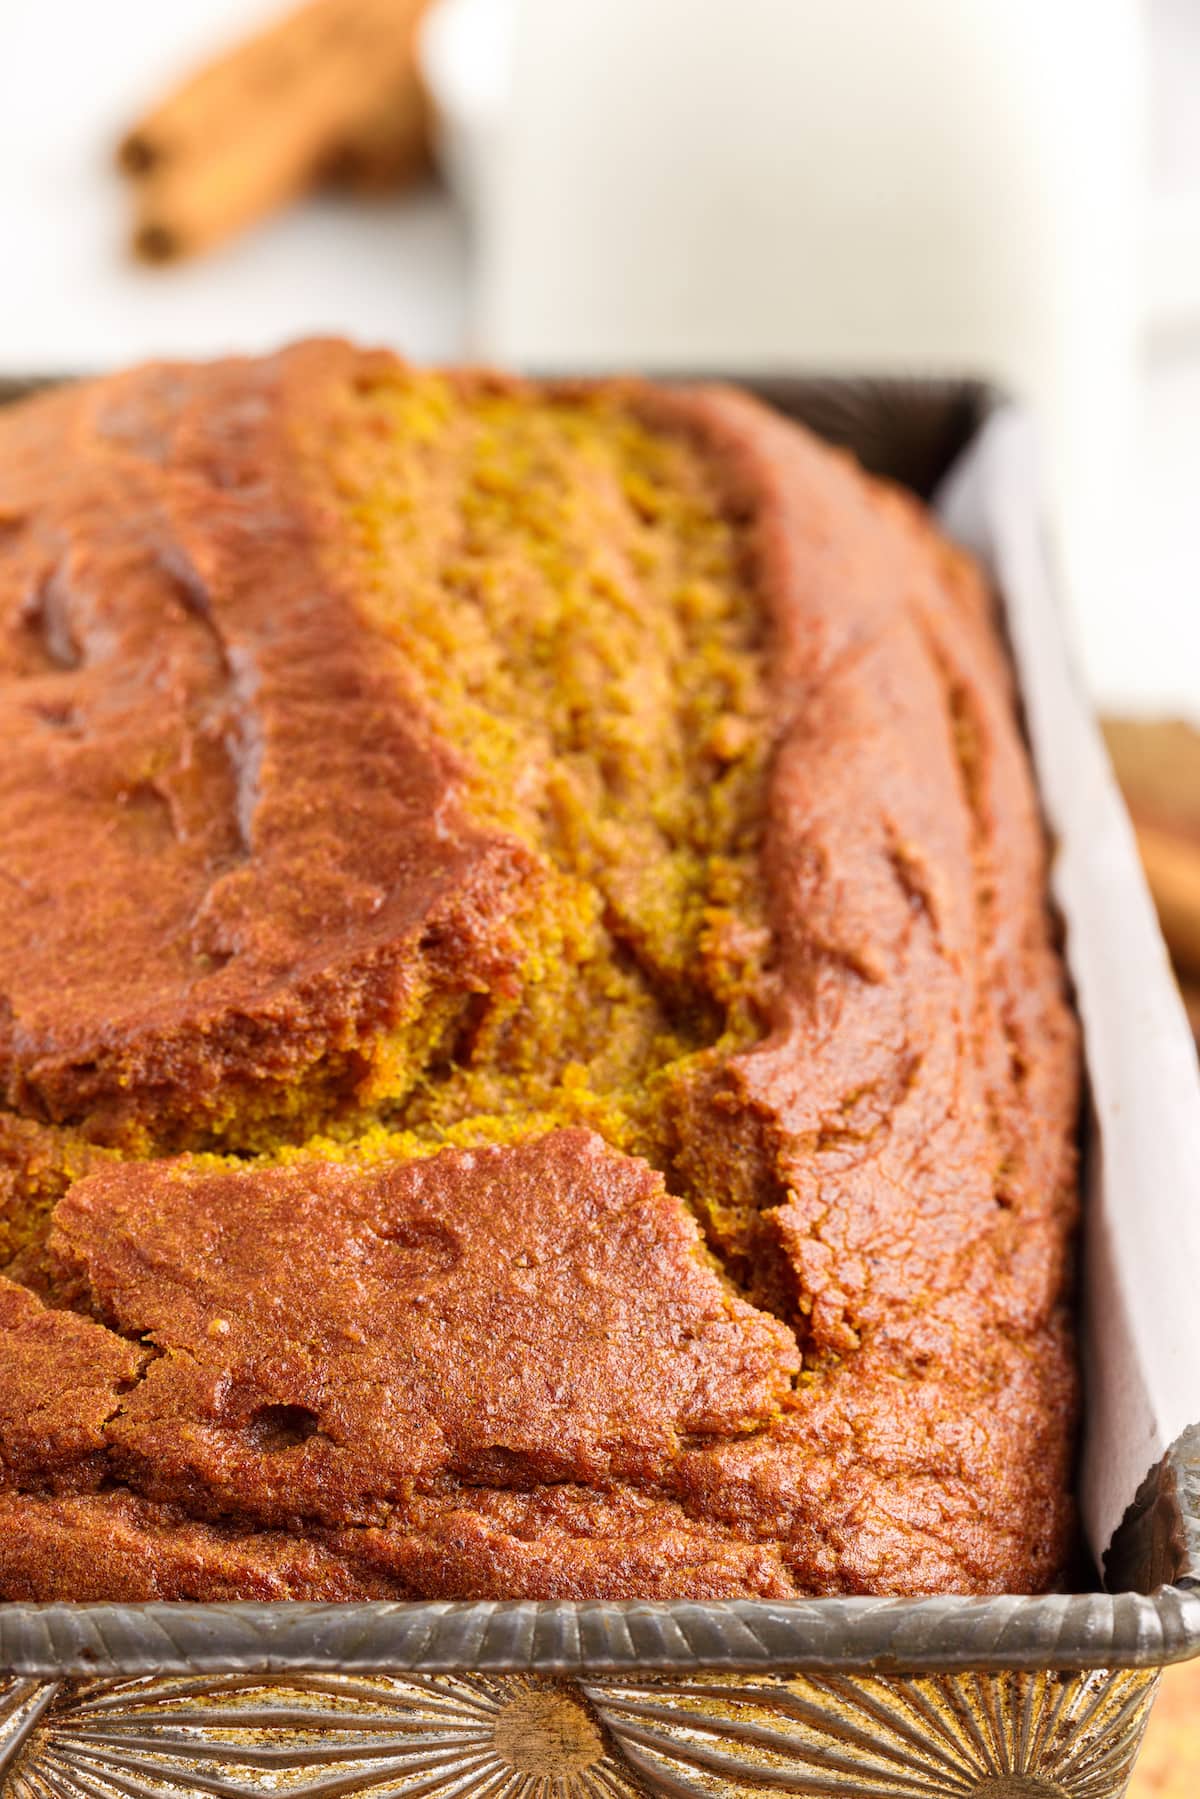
x: 532, y: 1056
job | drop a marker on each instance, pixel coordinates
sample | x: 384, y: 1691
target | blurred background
x: 1007, y: 189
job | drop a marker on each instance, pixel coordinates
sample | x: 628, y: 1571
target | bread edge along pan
x: 1005, y: 1696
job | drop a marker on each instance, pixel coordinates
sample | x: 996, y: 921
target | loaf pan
x: 1006, y: 1697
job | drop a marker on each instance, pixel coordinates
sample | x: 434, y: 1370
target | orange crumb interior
x: 569, y: 601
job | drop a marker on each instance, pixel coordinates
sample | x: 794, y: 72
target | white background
x: 73, y: 75
x: 74, y: 72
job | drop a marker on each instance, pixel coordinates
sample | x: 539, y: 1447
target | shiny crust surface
x: 235, y: 850
x: 227, y: 835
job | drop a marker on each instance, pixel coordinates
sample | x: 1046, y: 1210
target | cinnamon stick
x: 389, y: 148
x: 1172, y: 865
x: 262, y: 124
x: 1158, y: 765
x: 1190, y: 991
x: 1157, y: 762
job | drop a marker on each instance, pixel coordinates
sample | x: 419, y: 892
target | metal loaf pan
x: 1003, y: 1697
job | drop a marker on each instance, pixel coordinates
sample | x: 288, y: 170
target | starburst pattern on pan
x: 436, y: 1735
x: 999, y: 1736
x: 22, y: 1703
x: 471, y: 1736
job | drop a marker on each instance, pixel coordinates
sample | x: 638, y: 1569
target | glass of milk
x: 880, y: 186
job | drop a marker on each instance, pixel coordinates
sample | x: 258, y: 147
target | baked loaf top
x: 532, y: 1054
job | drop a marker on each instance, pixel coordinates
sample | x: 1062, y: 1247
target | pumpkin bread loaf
x: 533, y: 1060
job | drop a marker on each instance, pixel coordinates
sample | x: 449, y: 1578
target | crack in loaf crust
x: 562, y: 867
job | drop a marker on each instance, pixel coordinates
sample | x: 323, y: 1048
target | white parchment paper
x: 1141, y: 1315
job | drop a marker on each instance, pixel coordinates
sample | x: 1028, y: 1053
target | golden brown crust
x: 242, y: 848
x: 516, y: 1370
x: 330, y: 1339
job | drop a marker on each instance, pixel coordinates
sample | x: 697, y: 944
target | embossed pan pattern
x: 1010, y: 1698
